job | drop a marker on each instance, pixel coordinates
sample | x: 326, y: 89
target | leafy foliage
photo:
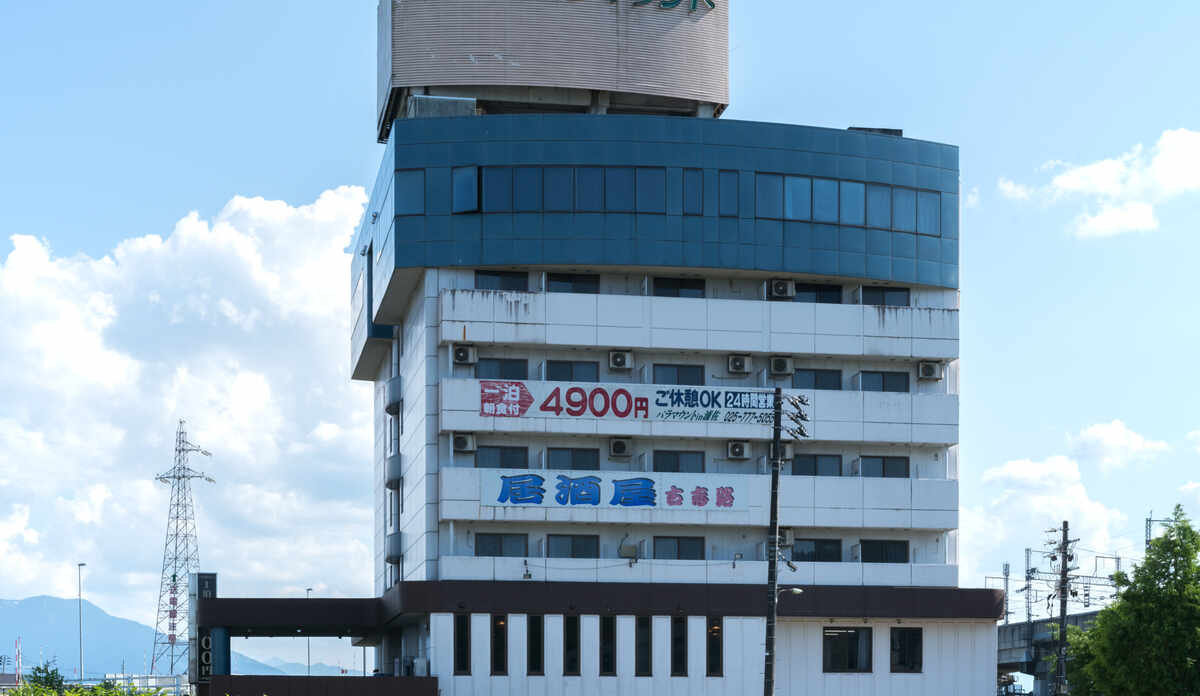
x: 45, y: 680
x: 47, y: 676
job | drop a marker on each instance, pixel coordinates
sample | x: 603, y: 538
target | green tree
x: 47, y: 676
x: 1148, y: 642
x: 1079, y: 656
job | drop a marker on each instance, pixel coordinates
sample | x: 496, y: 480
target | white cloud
x: 1013, y: 191
x: 1194, y: 438
x: 238, y: 323
x: 1120, y: 194
x: 1114, y: 446
x: 972, y: 198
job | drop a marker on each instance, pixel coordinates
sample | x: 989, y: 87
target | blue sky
x: 226, y: 129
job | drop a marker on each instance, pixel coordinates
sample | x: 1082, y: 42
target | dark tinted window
x: 462, y: 644
x: 817, y: 379
x: 885, y: 467
x: 891, y: 297
x: 679, y: 287
x: 572, y: 546
x: 579, y: 459
x: 502, y: 368
x: 853, y: 205
x: 499, y: 644
x: 410, y: 192
x: 817, y: 550
x: 797, y: 198
x: 679, y: 462
x: 768, y: 195
x: 535, y: 650
x: 825, y: 200
x: 821, y: 294
x: 727, y: 185
x: 502, y: 280
x: 679, y: 374
x: 817, y: 465
x: 929, y: 212
x: 679, y: 646
x: 464, y: 182
x: 572, y: 371
x: 904, y: 209
x: 497, y: 189
x: 884, y: 551
x: 693, y: 192
x: 885, y: 381
x: 716, y: 647
x: 508, y: 545
x: 571, y: 645
x: 573, y: 282
x: 608, y: 646
x: 643, y: 647
x: 847, y: 650
x: 651, y: 190
x: 906, y: 650
x: 589, y: 189
x: 879, y: 206
x: 492, y: 457
x: 558, y: 189
x: 619, y: 189
x: 527, y: 189
x: 679, y: 548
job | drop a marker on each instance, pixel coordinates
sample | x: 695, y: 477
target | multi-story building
x: 575, y: 288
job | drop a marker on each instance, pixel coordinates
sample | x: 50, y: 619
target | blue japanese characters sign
x: 615, y: 489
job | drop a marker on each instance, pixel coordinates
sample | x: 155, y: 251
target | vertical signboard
x: 200, y: 648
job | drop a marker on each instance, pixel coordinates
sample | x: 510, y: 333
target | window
x: 502, y: 368
x: 884, y: 551
x: 462, y: 643
x: 847, y: 650
x: 853, y: 206
x: 390, y: 522
x: 679, y: 374
x: 817, y: 550
x: 535, y: 651
x: 507, y: 545
x: 619, y: 189
x: 768, y: 196
x: 892, y: 297
x: 817, y: 465
x: 817, y: 379
x: 906, y: 650
x: 820, y: 294
x: 716, y: 647
x: 669, y: 461
x: 929, y: 212
x: 679, y: 548
x: 497, y: 189
x: 572, y: 371
x: 557, y: 194
x: 573, y: 546
x: 885, y: 467
x: 679, y: 287
x: 904, y: 210
x: 797, y: 198
x: 527, y: 189
x: 643, y: 647
x: 693, y: 192
x: 727, y: 193
x: 679, y: 646
x: 571, y: 646
x: 464, y: 183
x: 577, y: 459
x: 589, y: 189
x: 573, y: 282
x: 608, y: 646
x: 825, y: 200
x: 410, y: 192
x: 879, y: 206
x: 502, y: 280
x: 885, y: 381
x: 651, y: 190
x: 499, y: 644
x: 492, y: 457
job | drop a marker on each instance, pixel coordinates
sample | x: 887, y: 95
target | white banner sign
x: 611, y: 489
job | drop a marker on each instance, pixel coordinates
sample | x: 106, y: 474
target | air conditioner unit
x: 789, y: 451
x: 781, y: 365
x: 737, y: 449
x: 620, y: 448
x: 463, y: 442
x: 465, y: 354
x: 620, y: 360
x: 738, y: 364
x: 929, y: 370
x: 787, y: 536
x: 781, y: 287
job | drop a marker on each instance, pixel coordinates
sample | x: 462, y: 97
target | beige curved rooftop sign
x: 668, y: 48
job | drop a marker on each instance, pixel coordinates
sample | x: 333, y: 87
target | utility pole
x: 1150, y: 529
x: 773, y: 547
x: 1007, y: 613
x: 1064, y: 591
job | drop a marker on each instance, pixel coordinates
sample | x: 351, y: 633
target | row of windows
x: 687, y: 375
x: 681, y: 462
x: 843, y: 649
x: 644, y: 190
x: 589, y: 283
x: 683, y: 548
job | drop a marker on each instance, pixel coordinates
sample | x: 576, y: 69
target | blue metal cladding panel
x: 666, y: 191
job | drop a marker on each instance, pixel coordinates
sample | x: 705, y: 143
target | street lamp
x: 79, y: 573
x: 308, y: 641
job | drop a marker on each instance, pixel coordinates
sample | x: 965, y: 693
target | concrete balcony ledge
x: 394, y: 547
x: 394, y: 471
x: 394, y: 395
x: 667, y: 323
x: 708, y: 572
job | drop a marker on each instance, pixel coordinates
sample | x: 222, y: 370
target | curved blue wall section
x: 663, y: 191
